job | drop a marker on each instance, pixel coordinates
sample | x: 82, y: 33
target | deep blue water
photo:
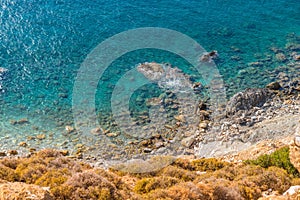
x: 43, y: 43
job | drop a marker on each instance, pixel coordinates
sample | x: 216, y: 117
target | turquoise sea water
x: 43, y: 43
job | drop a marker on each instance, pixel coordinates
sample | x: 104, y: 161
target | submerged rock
x: 248, y: 99
x: 280, y: 57
x: 166, y: 76
x: 208, y: 57
x: 151, y: 70
x: 3, y: 70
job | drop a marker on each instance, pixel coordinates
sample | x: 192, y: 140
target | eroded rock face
x: 295, y: 155
x: 253, y: 97
x: 18, y: 190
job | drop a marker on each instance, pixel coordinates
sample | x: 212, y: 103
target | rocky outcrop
x: 18, y: 190
x: 273, y: 86
x: 252, y: 97
x: 166, y: 76
x: 295, y: 153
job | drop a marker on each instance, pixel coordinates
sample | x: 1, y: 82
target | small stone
x: 273, y: 86
x: 79, y: 155
x: 113, y: 146
x: 255, y: 64
x: 41, y: 136
x: 79, y: 146
x: 69, y: 129
x: 21, y: 121
x: 159, y: 145
x: 289, y: 101
x: 112, y: 134
x: 64, y: 152
x: 204, y: 113
x: 13, y: 152
x: 106, y: 131
x: 187, y: 142
x: 296, y: 57
x: 30, y: 137
x: 168, y: 126
x: 280, y: 57
x: 235, y: 49
x: 96, y: 131
x: 275, y: 49
x: 2, y: 154
x: 32, y: 150
x: 23, y: 144
x: 2, y: 70
x: 180, y: 118
x: 297, y: 141
x: 63, y: 95
x: 203, y: 125
x: 295, y: 189
x: 145, y: 142
x: 147, y: 150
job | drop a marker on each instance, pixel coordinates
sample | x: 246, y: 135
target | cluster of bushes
x: 67, y: 178
x: 279, y: 158
x: 184, y: 179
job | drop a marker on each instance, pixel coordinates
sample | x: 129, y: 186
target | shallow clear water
x: 43, y: 43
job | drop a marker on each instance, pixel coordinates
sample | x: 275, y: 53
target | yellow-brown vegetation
x: 204, y: 179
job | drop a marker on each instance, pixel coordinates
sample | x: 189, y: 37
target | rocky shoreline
x: 256, y: 115
x: 255, y: 122
x: 249, y: 117
x: 252, y: 123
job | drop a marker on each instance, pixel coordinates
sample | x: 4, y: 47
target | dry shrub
x: 10, y: 162
x: 8, y: 174
x: 296, y: 181
x: 63, y: 162
x: 248, y: 181
x: 227, y: 187
x: 48, y: 153
x: 146, y: 185
x: 244, y: 171
x: 228, y: 173
x: 249, y: 190
x: 227, y: 193
x: 182, y: 191
x: 53, y: 178
x: 273, y: 178
x: 184, y: 164
x: 113, y: 178
x: 208, y: 164
x: 87, y: 185
x: 203, y: 164
x: 29, y: 171
x: 181, y: 174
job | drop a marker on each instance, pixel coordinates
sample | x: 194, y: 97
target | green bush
x: 279, y: 158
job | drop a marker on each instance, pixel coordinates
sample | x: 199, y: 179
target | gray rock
x: 187, y: 142
x: 273, y: 86
x: 252, y: 97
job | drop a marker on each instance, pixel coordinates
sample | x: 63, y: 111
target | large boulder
x: 18, y: 190
x: 251, y: 97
